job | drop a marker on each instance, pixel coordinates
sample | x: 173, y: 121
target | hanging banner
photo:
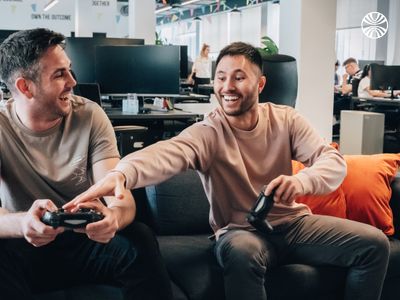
x: 96, y: 16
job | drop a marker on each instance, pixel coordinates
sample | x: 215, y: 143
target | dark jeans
x: 131, y: 260
x: 314, y: 240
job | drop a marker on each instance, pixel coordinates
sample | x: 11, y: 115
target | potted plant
x: 269, y: 47
x: 159, y: 40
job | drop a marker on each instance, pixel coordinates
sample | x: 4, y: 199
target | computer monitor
x: 184, y: 61
x: 5, y: 33
x: 362, y: 63
x: 213, y: 67
x: 81, y: 51
x: 90, y: 91
x: 145, y: 70
x: 385, y: 78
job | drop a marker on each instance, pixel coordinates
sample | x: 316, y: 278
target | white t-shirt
x: 363, y: 87
x: 202, y: 67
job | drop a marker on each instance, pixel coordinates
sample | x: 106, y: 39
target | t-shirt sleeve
x: 103, y: 143
x: 363, y: 86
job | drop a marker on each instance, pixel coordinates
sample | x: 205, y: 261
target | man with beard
x: 53, y: 146
x: 240, y: 147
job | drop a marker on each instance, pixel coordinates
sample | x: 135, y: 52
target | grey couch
x: 178, y: 212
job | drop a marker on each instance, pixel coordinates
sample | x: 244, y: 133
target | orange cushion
x: 332, y: 204
x: 367, y: 189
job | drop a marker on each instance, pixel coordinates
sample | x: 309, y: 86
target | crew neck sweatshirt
x: 235, y: 164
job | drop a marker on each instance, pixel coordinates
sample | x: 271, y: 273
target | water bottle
x: 134, y: 103
x: 131, y: 104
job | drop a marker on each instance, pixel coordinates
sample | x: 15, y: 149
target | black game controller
x: 78, y: 219
x: 258, y: 214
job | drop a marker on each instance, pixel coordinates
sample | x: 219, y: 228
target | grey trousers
x: 314, y: 240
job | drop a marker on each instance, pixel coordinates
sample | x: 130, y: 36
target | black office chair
x: 354, y: 87
x: 281, y: 86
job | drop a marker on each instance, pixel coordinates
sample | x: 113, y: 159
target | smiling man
x: 53, y: 146
x: 240, y: 147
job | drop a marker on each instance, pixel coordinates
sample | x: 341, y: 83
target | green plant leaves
x: 269, y: 46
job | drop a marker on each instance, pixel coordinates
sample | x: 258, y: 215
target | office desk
x: 161, y: 125
x: 206, y: 89
x: 118, y: 115
x: 375, y: 101
x: 199, y: 108
x: 192, y: 97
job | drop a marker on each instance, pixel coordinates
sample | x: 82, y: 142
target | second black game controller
x: 78, y: 219
x: 258, y: 214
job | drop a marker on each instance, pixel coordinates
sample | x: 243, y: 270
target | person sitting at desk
x: 352, y: 75
x: 342, y: 95
x: 363, y: 87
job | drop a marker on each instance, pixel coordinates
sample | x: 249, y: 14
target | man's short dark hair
x: 349, y: 61
x: 239, y: 48
x: 21, y: 51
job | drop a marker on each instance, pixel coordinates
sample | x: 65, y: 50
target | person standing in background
x: 201, y: 67
x: 336, y: 78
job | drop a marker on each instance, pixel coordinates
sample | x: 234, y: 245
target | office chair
x: 354, y: 87
x: 281, y: 86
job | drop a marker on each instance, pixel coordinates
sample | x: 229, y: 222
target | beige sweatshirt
x: 234, y: 164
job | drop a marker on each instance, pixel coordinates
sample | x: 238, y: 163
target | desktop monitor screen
x: 145, y: 70
x: 362, y: 63
x: 81, y: 52
x: 5, y: 34
x: 385, y: 77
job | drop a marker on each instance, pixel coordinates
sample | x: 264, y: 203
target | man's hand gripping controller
x: 258, y: 214
x: 78, y: 219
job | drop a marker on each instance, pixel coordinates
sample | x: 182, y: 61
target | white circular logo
x: 374, y: 25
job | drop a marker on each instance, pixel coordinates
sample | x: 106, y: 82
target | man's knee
x: 374, y: 243
x: 379, y: 241
x: 142, y: 237
x: 243, y: 251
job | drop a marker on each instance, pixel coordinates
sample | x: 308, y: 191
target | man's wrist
x: 122, y: 174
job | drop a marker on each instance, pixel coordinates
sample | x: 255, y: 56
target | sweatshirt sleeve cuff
x: 129, y: 172
x: 305, y: 182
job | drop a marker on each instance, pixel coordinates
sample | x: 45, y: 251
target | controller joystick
x: 258, y: 214
x: 78, y: 219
